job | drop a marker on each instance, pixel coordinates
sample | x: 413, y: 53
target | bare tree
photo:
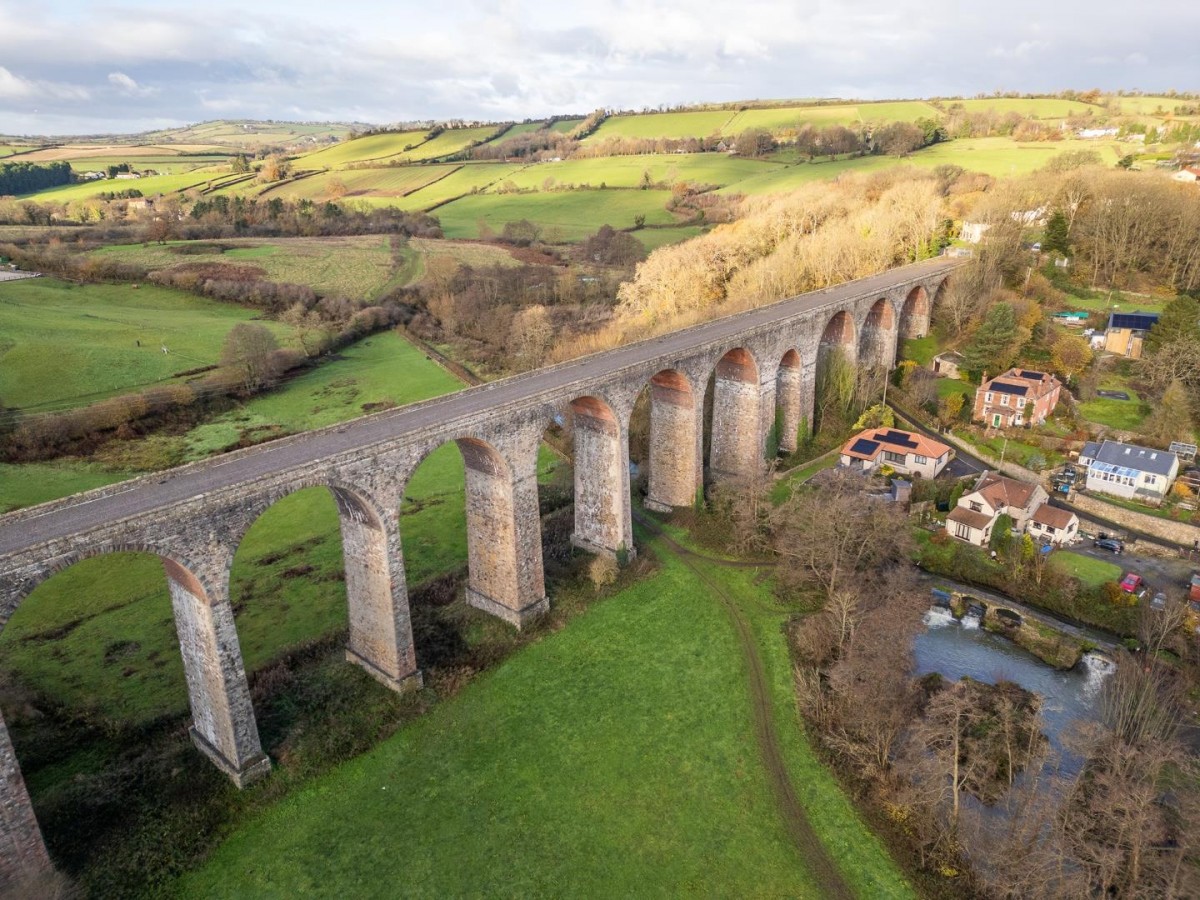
x: 836, y: 533
x: 247, y: 350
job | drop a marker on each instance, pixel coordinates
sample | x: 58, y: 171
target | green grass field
x: 99, y: 637
x: 565, y: 125
x: 383, y: 182
x: 1090, y: 572
x: 653, y: 238
x: 66, y: 344
x: 614, y: 757
x: 358, y: 267
x: 151, y: 186
x: 248, y: 134
x: 1037, y: 107
x: 30, y: 483
x: 466, y: 179
x: 628, y: 171
x: 371, y: 147
x: 568, y: 216
x: 699, y: 123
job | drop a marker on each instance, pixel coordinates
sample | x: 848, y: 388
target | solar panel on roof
x: 899, y: 438
x: 1027, y: 373
x: 1136, y: 321
x: 1001, y: 388
x: 864, y: 446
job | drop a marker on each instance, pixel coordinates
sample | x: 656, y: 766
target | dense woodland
x: 27, y: 178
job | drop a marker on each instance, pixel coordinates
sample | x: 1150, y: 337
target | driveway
x: 1160, y: 572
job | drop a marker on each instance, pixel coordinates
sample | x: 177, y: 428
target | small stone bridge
x: 762, y: 365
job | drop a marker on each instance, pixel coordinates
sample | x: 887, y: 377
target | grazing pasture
x: 150, y: 186
x: 369, y: 148
x: 567, y: 216
x: 1034, y: 107
x: 391, y: 181
x: 697, y: 123
x: 629, y: 171
x: 358, y: 267
x: 64, y: 345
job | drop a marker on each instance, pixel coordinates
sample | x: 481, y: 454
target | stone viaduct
x: 762, y: 364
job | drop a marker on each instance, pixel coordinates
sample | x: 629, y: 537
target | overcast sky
x: 77, y: 66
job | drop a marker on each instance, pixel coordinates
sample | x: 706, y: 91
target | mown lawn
x: 1090, y: 572
x: 921, y: 350
x: 66, y: 345
x: 615, y: 758
x: 1124, y: 415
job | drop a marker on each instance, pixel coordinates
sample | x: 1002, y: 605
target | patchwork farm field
x: 249, y: 134
x: 567, y: 216
x: 359, y: 267
x: 150, y: 186
x: 63, y: 345
x: 699, y: 123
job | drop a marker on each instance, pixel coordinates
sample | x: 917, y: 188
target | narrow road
x: 799, y: 828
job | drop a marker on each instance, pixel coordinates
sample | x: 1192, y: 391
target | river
x: 955, y: 649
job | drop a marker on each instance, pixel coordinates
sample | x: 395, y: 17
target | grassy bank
x: 613, y: 757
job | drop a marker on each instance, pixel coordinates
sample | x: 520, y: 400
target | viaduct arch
x: 763, y: 363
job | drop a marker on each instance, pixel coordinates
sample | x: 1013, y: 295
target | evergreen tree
x: 1180, y: 321
x: 1057, y: 238
x: 992, y: 348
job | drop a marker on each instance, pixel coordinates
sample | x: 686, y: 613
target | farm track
x: 796, y: 820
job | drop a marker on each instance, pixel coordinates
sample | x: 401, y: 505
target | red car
x: 1131, y: 583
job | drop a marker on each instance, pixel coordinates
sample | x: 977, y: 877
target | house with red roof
x: 1018, y: 397
x: 905, y: 451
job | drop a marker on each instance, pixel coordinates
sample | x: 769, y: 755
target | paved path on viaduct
x: 761, y: 365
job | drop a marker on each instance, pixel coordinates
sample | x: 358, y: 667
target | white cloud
x: 12, y: 87
x: 128, y: 86
x: 413, y: 59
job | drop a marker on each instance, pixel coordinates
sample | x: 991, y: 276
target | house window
x: 1019, y: 418
x: 920, y: 460
x: 988, y: 396
x: 1004, y: 400
x: 962, y: 531
x: 1020, y: 403
x: 977, y: 507
x: 1050, y: 529
x: 893, y: 457
x: 1148, y: 479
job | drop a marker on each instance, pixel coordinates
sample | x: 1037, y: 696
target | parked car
x: 1159, y: 602
x: 1131, y: 583
x: 1110, y: 544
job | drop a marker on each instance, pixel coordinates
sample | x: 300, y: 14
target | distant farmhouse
x: 1190, y: 174
x: 1018, y: 397
x: 904, y: 451
x: 1126, y: 332
x: 1127, y: 470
